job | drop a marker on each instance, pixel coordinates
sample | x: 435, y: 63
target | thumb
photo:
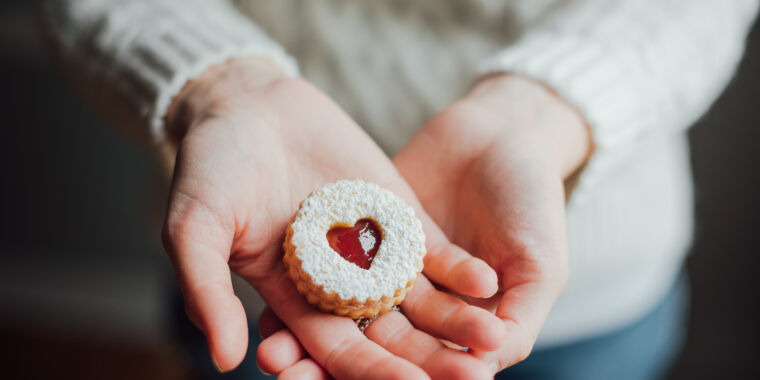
x: 199, y: 249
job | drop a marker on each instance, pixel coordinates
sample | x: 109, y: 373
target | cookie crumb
x: 363, y: 323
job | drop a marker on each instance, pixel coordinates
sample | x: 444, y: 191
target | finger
x: 279, y: 351
x: 454, y: 268
x: 446, y: 263
x: 199, y: 248
x: 394, y: 332
x: 537, y: 271
x: 269, y: 323
x: 523, y: 308
x: 446, y: 316
x: 333, y: 342
x: 306, y: 369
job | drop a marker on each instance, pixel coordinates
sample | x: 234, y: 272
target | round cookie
x: 354, y: 249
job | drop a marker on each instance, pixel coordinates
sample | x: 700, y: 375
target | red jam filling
x: 357, y: 244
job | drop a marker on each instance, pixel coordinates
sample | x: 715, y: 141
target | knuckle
x: 176, y: 227
x: 187, y: 219
x: 172, y: 232
x: 522, y: 353
x: 349, y: 345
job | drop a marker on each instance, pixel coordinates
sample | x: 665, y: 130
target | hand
x: 489, y: 170
x: 252, y: 145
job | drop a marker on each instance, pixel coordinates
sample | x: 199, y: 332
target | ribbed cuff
x: 605, y: 85
x: 148, y: 49
x: 169, y: 59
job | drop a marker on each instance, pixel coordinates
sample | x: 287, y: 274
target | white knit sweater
x: 640, y: 71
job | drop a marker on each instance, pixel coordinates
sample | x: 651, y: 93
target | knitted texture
x: 632, y: 68
x: 151, y: 48
x: 639, y: 71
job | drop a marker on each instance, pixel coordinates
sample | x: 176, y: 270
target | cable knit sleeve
x: 634, y: 69
x: 146, y: 50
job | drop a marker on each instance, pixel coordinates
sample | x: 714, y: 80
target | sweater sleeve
x: 634, y: 69
x: 146, y: 50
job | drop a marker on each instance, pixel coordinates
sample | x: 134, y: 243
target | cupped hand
x: 489, y: 170
x: 252, y: 144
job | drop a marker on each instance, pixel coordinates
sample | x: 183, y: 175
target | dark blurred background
x: 85, y: 286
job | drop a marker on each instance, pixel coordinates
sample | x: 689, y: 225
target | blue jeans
x: 642, y: 350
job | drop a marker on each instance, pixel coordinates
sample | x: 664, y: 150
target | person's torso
x: 393, y: 64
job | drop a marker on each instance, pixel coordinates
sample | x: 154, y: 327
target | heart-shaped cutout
x: 358, y: 244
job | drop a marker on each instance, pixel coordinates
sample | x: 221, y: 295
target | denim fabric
x: 643, y: 350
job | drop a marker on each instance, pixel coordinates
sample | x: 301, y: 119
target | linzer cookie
x: 354, y: 249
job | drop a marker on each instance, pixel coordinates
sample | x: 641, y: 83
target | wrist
x: 538, y: 119
x: 235, y: 80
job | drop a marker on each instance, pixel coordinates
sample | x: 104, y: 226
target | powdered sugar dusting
x: 398, y: 259
x: 366, y: 239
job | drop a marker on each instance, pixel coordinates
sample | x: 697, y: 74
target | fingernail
x: 494, y: 367
x: 216, y: 365
x: 261, y: 370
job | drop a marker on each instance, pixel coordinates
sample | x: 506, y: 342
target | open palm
x: 489, y: 170
x: 252, y: 151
